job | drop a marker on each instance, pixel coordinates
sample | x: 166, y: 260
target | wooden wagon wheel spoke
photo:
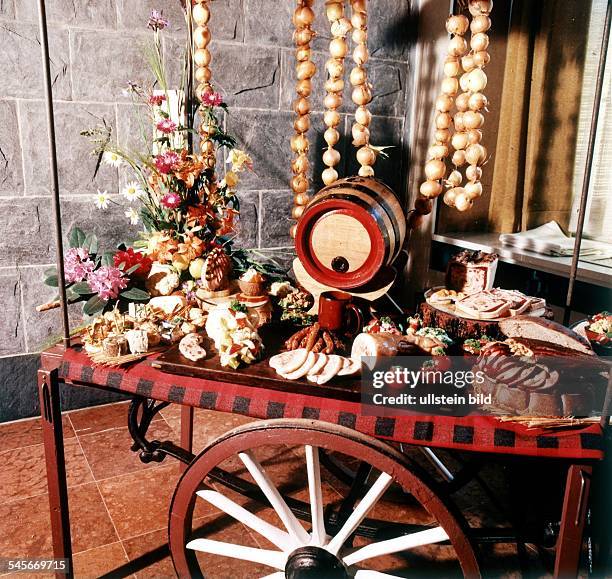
x: 368, y: 574
x: 275, y: 559
x: 363, y: 508
x: 420, y: 539
x: 319, y: 537
x: 281, y: 539
x: 259, y: 475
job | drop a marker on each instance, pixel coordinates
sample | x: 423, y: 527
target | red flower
x: 167, y: 161
x: 211, y: 99
x: 157, y: 99
x: 166, y: 126
x: 171, y: 200
x: 129, y: 258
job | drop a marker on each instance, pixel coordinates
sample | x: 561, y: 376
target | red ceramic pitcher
x: 338, y: 313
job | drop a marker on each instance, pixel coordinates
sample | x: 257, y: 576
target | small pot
x: 251, y: 288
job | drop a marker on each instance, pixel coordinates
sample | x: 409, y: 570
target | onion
x: 304, y: 87
x: 201, y: 14
x: 423, y: 206
x: 301, y: 124
x: 449, y: 197
x: 303, y: 16
x: 358, y: 5
x: 478, y: 101
x: 463, y: 81
x: 462, y: 201
x: 444, y: 103
x: 472, y: 120
x: 480, y: 23
x: 331, y: 118
x: 457, y: 24
x: 450, y: 86
x: 443, y: 120
x: 415, y: 220
x: 341, y: 28
x: 299, y: 184
x: 476, y: 154
x: 329, y: 175
x: 299, y: 143
x: 473, y: 173
x: 435, y: 169
x: 361, y: 95
x: 334, y: 67
x: 437, y: 151
x: 459, y: 141
x: 365, y: 171
x: 293, y: 230
x: 301, y: 199
x: 201, y: 57
x: 452, y: 66
x: 334, y: 85
x: 454, y: 179
x: 458, y: 122
x: 334, y: 10
x: 461, y: 102
x: 201, y: 37
x: 457, y: 46
x: 458, y: 158
x: 202, y: 75
x: 338, y: 48
x: 300, y: 164
x: 442, y: 135
x: 474, y: 136
x: 473, y: 189
x: 482, y: 58
x: 476, y: 80
x: 366, y: 156
x: 301, y: 106
x: 477, y: 7
x: 359, y: 36
x: 360, y: 54
x: 363, y: 116
x: 331, y: 136
x: 303, y: 36
x: 306, y: 70
x: 359, y: 19
x: 430, y: 189
x: 360, y: 134
x: 302, y: 53
x: 479, y: 42
x: 467, y: 63
x: 358, y: 76
x: 297, y: 211
x: 331, y: 157
x: 332, y: 101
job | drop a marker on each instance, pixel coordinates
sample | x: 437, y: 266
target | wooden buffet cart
x: 326, y: 420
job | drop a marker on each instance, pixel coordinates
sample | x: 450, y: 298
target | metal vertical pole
x: 57, y: 217
x: 586, y: 182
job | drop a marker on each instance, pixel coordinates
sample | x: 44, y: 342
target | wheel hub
x: 314, y: 563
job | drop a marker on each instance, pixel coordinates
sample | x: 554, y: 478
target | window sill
x: 489, y: 242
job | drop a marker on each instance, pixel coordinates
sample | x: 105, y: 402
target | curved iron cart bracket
x: 140, y: 414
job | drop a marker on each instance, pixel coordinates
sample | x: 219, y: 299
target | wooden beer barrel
x: 349, y: 231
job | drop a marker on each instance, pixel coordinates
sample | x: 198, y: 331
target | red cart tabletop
x: 470, y: 433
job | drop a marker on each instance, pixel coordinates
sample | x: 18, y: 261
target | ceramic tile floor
x: 118, y: 504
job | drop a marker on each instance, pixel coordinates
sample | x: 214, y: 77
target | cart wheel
x: 328, y: 547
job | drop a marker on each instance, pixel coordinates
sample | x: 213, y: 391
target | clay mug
x: 338, y: 313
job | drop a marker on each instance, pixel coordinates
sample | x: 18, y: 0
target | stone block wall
x: 96, y: 47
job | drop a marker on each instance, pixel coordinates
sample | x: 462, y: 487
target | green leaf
x: 52, y: 281
x: 132, y: 269
x: 91, y: 243
x: 72, y: 296
x: 107, y: 258
x: 94, y: 305
x: 82, y: 288
x: 77, y: 237
x: 135, y: 294
x: 50, y: 271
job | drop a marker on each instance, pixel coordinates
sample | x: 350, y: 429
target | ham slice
x: 318, y: 365
x: 333, y: 366
x: 288, y: 362
x: 300, y: 372
x: 349, y: 367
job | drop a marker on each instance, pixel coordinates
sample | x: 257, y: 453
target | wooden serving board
x: 259, y: 374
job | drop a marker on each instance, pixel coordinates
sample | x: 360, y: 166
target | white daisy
x: 132, y: 191
x: 101, y: 199
x: 111, y: 159
x: 132, y: 215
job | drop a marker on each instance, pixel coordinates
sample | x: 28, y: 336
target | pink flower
x: 157, y: 99
x: 107, y: 281
x: 211, y: 99
x: 166, y: 126
x: 166, y: 161
x: 77, y: 265
x: 157, y: 20
x: 171, y: 200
